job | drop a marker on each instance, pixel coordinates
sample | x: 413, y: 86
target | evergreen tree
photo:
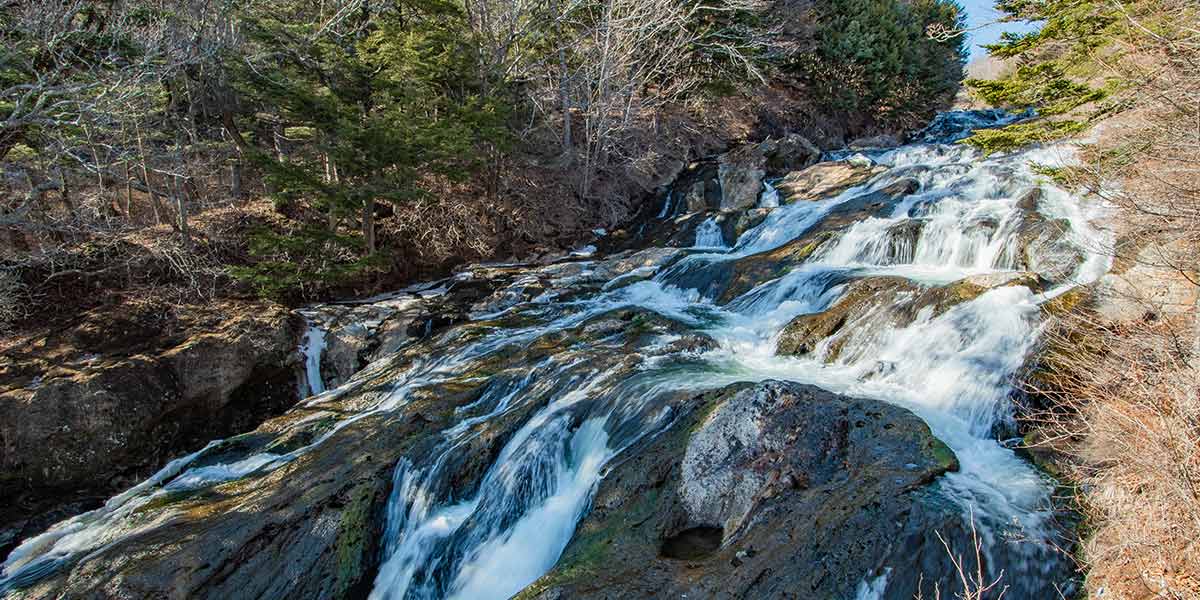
x: 1057, y: 75
x: 876, y: 57
x: 367, y: 113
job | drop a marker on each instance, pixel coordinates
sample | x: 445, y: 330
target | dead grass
x: 1125, y: 415
x: 1117, y: 386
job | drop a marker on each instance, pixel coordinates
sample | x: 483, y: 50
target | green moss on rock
x: 354, y: 539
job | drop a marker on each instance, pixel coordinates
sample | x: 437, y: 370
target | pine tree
x: 875, y: 57
x: 369, y: 113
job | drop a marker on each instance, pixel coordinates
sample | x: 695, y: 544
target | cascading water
x: 708, y: 235
x: 312, y: 347
x: 770, y: 196
x: 575, y: 409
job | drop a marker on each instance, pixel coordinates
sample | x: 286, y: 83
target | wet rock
x: 902, y: 239
x: 1044, y: 244
x: 875, y: 142
x: 311, y: 527
x: 523, y: 289
x: 741, y: 172
x: 745, y: 221
x: 803, y: 334
x: 345, y: 351
x: 648, y: 259
x: 357, y: 334
x: 747, y: 272
x: 1047, y: 250
x: 790, y: 153
x: 824, y: 180
x: 751, y: 494
x: 681, y: 232
x: 860, y: 160
x: 696, y: 199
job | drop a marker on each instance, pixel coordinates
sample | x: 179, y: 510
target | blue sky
x: 981, y: 12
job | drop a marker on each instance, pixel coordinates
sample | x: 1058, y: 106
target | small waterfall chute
x: 709, y: 235
x: 311, y: 349
x: 769, y: 197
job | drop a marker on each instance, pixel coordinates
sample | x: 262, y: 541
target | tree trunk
x: 368, y: 225
x: 128, y: 192
x: 64, y: 190
x: 277, y: 139
x: 331, y: 177
x: 235, y: 179
x: 154, y: 201
x: 180, y: 194
x: 564, y: 100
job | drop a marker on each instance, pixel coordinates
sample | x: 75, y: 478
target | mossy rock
x: 356, y: 537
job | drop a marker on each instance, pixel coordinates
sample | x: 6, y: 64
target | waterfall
x: 709, y: 235
x: 579, y: 407
x: 311, y: 349
x: 666, y: 209
x: 770, y: 196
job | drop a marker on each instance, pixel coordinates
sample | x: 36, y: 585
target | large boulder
x: 825, y: 180
x: 774, y: 490
x: 696, y: 199
x: 789, y: 153
x: 741, y: 172
x: 1044, y: 244
x: 308, y: 529
x: 309, y: 523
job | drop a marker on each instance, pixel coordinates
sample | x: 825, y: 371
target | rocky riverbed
x: 809, y: 400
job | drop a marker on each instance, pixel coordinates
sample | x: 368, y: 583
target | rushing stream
x: 571, y: 412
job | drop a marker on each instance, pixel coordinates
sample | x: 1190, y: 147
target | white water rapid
x: 312, y: 347
x: 709, y: 235
x: 578, y: 411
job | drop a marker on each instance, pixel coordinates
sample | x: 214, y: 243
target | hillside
x: 1113, y: 406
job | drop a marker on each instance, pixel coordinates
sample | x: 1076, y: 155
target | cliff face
x: 93, y: 409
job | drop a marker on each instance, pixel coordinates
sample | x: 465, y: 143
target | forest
x: 294, y: 149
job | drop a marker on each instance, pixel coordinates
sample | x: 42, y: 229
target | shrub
x: 13, y: 305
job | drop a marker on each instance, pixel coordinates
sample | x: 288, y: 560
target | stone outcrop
x: 741, y: 172
x: 789, y: 153
x: 311, y: 527
x: 765, y: 491
x: 102, y: 422
x: 825, y: 180
x: 1044, y: 244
